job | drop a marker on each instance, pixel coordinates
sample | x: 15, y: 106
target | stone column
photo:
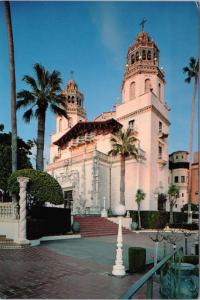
x: 22, y: 203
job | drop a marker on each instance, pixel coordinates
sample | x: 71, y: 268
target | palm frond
x: 58, y: 110
x: 27, y: 116
x: 31, y: 81
x: 188, y: 79
x: 26, y: 98
x: 40, y: 74
x: 55, y: 80
x: 41, y: 110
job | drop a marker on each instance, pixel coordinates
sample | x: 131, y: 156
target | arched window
x: 149, y: 55
x: 60, y: 125
x: 144, y: 54
x: 147, y: 85
x: 132, y: 59
x: 159, y: 91
x: 137, y: 56
x: 132, y: 90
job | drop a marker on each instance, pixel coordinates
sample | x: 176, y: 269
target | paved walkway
x: 71, y: 269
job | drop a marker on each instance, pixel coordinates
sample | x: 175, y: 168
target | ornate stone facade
x: 85, y: 145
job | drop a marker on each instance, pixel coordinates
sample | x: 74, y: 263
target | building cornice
x: 145, y: 109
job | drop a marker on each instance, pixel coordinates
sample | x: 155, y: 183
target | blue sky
x: 92, y: 38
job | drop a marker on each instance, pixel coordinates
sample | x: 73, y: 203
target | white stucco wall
x: 10, y: 228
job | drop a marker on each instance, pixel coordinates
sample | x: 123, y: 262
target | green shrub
x: 157, y: 219
x: 191, y: 259
x: 151, y: 219
x: 137, y: 259
x: 187, y: 226
x: 194, y: 207
x: 180, y: 217
x: 42, y: 186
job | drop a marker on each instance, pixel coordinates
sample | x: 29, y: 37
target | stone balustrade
x: 8, y: 211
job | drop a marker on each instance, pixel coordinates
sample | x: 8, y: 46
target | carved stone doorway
x: 68, y: 199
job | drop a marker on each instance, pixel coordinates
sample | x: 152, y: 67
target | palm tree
x: 173, y: 192
x: 123, y: 145
x: 140, y: 195
x: 192, y: 71
x: 12, y: 85
x: 45, y: 91
x: 1, y: 127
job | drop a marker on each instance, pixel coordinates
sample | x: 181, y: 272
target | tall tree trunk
x: 191, y: 152
x: 122, y: 181
x: 40, y: 142
x: 12, y: 85
x: 171, y: 214
x: 139, y: 218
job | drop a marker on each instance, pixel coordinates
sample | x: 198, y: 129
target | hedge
x: 192, y: 226
x: 44, y: 221
x: 157, y: 219
x: 42, y: 186
x: 137, y: 259
x: 151, y: 219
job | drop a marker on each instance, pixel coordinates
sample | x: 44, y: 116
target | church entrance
x: 68, y: 199
x: 162, y: 202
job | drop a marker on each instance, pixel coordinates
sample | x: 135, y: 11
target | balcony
x: 87, y: 138
x: 162, y: 135
x: 162, y: 161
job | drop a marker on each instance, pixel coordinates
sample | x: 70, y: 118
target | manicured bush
x: 56, y: 220
x: 180, y: 217
x: 157, y: 219
x: 137, y: 259
x: 194, y: 207
x: 197, y: 249
x: 42, y: 186
x: 192, y: 226
x: 190, y: 259
x: 151, y: 219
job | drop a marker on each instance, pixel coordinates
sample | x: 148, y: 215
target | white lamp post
x: 118, y: 268
x: 104, y: 212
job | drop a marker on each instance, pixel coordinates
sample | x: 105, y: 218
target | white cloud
x: 105, y: 18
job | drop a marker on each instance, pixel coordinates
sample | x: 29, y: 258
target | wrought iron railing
x: 148, y: 278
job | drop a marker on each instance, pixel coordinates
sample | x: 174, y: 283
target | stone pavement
x: 70, y: 269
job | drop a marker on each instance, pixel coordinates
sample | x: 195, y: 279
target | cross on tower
x: 142, y: 24
x: 72, y: 74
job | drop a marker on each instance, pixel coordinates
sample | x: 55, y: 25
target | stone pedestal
x: 104, y: 213
x: 22, y: 203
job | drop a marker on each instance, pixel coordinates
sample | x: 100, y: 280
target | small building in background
x: 194, y: 174
x: 178, y: 175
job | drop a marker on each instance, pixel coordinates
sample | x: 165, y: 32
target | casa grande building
x: 79, y: 158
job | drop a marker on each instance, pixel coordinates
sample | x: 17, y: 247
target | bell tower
x: 144, y: 111
x: 142, y: 70
x: 74, y: 107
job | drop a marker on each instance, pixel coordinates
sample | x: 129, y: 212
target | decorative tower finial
x: 142, y: 24
x: 72, y: 74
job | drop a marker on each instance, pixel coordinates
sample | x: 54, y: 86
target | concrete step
x: 6, y: 243
x: 13, y: 246
x: 97, y: 226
